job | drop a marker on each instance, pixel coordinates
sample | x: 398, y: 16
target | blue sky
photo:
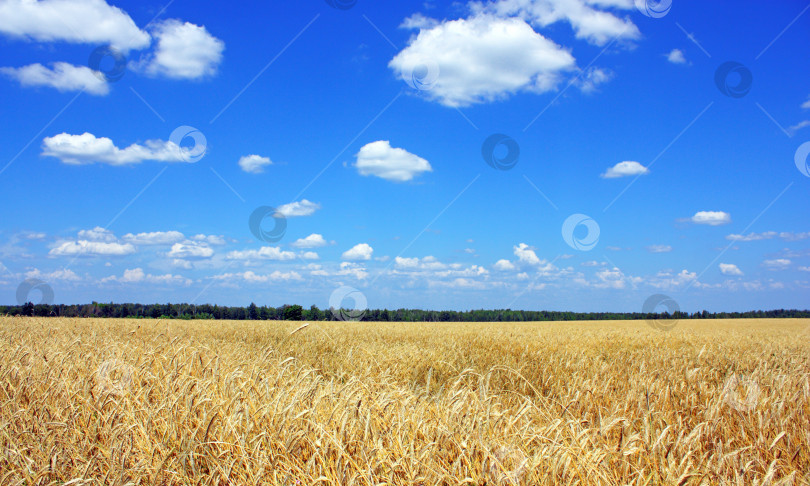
x: 628, y: 159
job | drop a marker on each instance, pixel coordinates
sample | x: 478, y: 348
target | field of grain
x: 99, y: 401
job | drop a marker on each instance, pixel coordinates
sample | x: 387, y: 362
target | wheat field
x: 103, y: 401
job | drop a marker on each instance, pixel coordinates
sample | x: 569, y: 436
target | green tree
x: 294, y: 313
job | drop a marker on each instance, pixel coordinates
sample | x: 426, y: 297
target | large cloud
x: 711, y: 218
x: 91, y: 248
x: 87, y: 149
x: 183, y: 51
x: 625, y: 169
x: 480, y: 59
x: 76, y: 21
x: 303, y: 207
x: 63, y: 77
x: 360, y: 251
x: 393, y: 164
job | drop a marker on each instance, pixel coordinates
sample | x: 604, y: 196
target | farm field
x: 117, y: 401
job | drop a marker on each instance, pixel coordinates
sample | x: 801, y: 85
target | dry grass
x: 215, y: 402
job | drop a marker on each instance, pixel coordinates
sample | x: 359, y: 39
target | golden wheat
x: 98, y: 401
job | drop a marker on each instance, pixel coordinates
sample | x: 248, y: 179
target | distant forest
x: 298, y: 313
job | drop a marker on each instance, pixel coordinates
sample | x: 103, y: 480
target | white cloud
x: 183, y: 51
x: 254, y: 164
x: 63, y: 77
x: 154, y: 238
x: 526, y: 255
x: 795, y: 128
x: 137, y: 275
x: 730, y: 269
x: 87, y: 149
x: 659, y: 248
x: 97, y: 234
x: 481, y: 59
x: 402, y: 262
x: 299, y: 208
x: 712, y: 218
x: 676, y: 56
x: 804, y: 269
x: 806, y: 104
x: 91, y: 248
x: 777, y: 264
x: 589, y: 23
x: 314, y: 240
x: 210, y: 239
x: 393, y: 164
x: 360, y: 251
x: 190, y: 249
x: 263, y: 253
x: 768, y: 235
x: 64, y: 274
x: 251, y: 277
x: 625, y: 169
x: 504, y: 265
x: 309, y: 255
x: 75, y: 21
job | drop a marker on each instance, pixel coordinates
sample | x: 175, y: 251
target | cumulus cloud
x: 659, y: 248
x: 768, y: 235
x: 298, y: 208
x: 393, y: 164
x: 210, y: 239
x: 263, y: 253
x: 62, y: 77
x: 137, y: 275
x: 314, y: 240
x: 625, y: 169
x: 254, y: 164
x: 730, y: 269
x: 504, y: 265
x: 87, y: 149
x: 360, y: 251
x: 64, y: 274
x: 586, y: 17
x: 75, y: 21
x: 481, y: 59
x: 712, y: 218
x: 251, y: 277
x: 183, y: 51
x: 190, y: 249
x: 97, y: 234
x: 91, y: 248
x: 154, y: 238
x: 526, y: 255
x: 676, y: 56
x: 777, y: 264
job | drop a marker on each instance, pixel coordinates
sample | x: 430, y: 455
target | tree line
x: 298, y: 313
